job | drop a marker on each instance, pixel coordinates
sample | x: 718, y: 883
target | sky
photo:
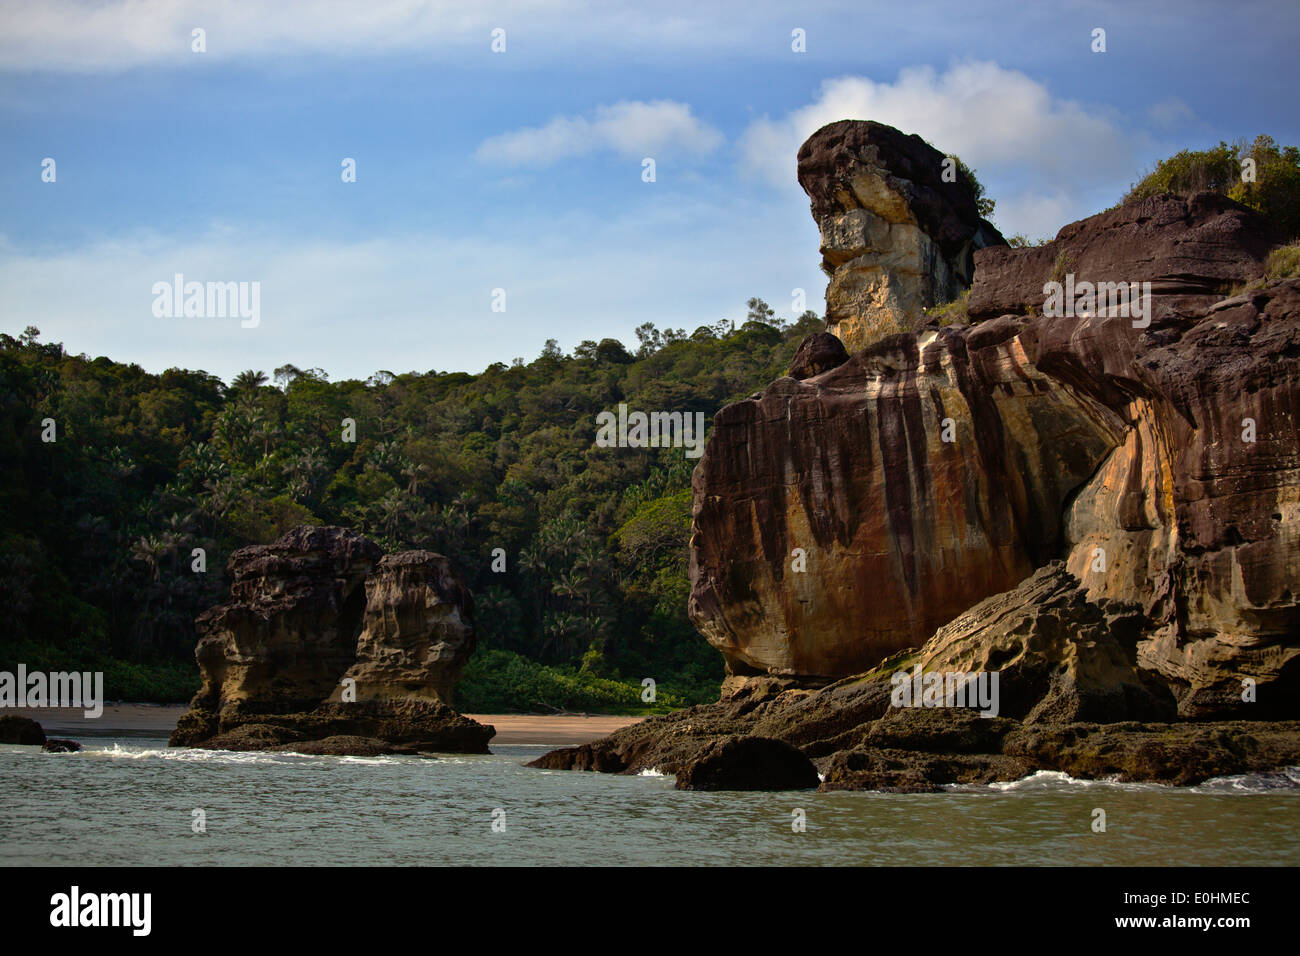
x: 522, y: 169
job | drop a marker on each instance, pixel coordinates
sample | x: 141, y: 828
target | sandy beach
x: 158, y: 720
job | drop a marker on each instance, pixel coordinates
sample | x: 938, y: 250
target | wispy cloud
x: 630, y: 128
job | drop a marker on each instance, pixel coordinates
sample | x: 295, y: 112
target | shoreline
x: 158, y: 720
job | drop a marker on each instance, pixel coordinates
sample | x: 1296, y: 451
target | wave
x: 1044, y: 780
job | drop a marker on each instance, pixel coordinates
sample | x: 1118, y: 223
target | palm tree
x: 150, y: 550
x: 248, y: 381
x: 414, y: 472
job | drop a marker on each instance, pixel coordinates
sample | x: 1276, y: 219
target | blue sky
x: 522, y: 170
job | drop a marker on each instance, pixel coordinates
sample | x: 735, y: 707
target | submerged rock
x: 859, y: 742
x: 55, y: 745
x: 748, y: 763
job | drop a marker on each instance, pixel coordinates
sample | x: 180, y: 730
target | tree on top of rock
x: 1274, y: 191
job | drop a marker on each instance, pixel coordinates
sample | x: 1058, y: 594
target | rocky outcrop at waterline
x: 850, y: 737
x: 1100, y: 505
x: 327, y: 639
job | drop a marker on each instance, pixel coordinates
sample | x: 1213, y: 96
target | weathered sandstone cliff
x: 326, y: 644
x: 1102, y: 508
x: 899, y: 227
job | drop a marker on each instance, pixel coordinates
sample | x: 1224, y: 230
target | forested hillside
x: 111, y: 476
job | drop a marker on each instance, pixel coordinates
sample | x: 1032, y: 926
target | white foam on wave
x: 188, y: 755
x: 1286, y: 779
x: 1051, y: 780
x: 1046, y: 780
x: 651, y: 772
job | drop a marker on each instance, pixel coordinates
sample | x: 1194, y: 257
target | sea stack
x: 327, y: 639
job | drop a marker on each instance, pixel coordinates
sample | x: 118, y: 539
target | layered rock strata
x: 899, y: 227
x: 324, y: 638
x: 1100, y: 507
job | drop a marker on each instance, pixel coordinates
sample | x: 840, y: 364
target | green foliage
x: 1275, y: 190
x: 1283, y: 262
x: 1063, y: 265
x: 954, y: 312
x: 503, y: 682
x: 983, y: 203
x: 100, y: 526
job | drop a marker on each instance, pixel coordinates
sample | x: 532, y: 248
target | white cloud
x: 1003, y: 123
x: 92, y: 35
x: 417, y: 301
x: 1169, y: 113
x: 630, y: 128
x: 109, y: 35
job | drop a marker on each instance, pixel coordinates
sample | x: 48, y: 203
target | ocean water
x: 131, y: 801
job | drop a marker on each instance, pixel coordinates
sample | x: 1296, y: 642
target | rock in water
x: 417, y: 631
x: 20, y: 730
x: 899, y: 226
x: 748, y: 763
x: 316, y: 612
x: 289, y: 631
x: 852, y: 509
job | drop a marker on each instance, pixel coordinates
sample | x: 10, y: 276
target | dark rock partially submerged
x: 917, y: 750
x: 55, y: 745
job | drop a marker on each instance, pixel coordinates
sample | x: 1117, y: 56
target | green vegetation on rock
x: 1275, y: 190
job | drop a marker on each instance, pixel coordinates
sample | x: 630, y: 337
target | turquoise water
x: 130, y: 801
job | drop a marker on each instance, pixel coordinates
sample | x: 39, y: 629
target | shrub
x: 1275, y: 191
x: 952, y: 313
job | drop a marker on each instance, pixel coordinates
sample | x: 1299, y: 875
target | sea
x: 134, y: 800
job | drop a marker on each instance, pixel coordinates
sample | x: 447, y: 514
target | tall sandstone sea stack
x: 1103, y: 508
x: 329, y: 646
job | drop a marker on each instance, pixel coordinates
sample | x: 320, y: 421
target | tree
x: 1274, y: 191
x: 248, y: 381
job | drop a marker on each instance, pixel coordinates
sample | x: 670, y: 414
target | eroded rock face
x: 417, y: 631
x: 918, y: 478
x: 1114, y: 528
x: 290, y: 628
x: 1191, y: 250
x: 314, y: 608
x: 895, y: 237
x: 1060, y: 658
x: 1196, y: 517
